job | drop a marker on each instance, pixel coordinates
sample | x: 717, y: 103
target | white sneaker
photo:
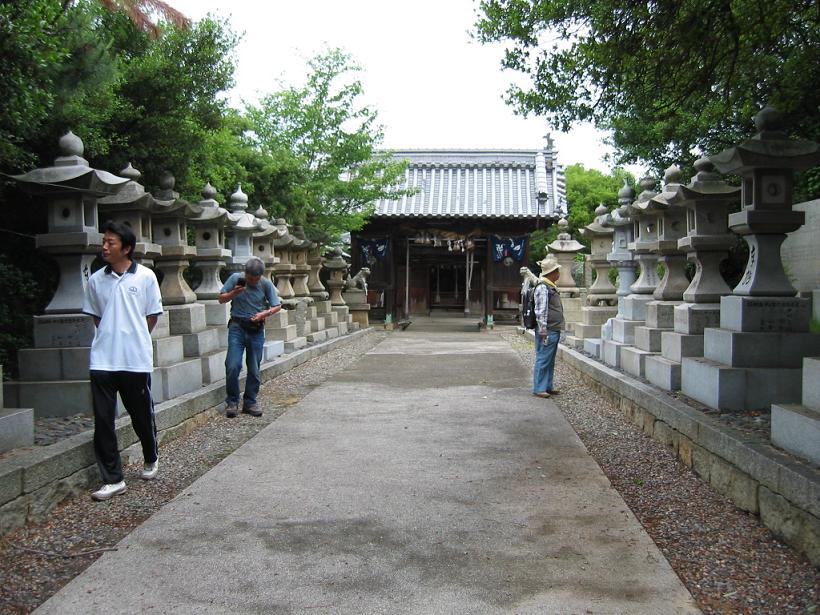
x: 108, y: 491
x: 149, y: 470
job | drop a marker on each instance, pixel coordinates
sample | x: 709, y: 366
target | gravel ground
x: 727, y: 559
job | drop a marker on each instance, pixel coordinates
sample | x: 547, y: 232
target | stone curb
x: 756, y: 476
x: 33, y: 483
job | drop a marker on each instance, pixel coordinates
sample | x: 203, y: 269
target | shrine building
x: 457, y: 244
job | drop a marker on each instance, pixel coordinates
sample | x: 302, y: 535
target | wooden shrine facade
x: 457, y: 244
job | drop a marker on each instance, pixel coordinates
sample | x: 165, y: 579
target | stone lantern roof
x: 285, y: 239
x: 209, y: 209
x: 600, y: 223
x: 565, y: 242
x: 769, y: 148
x: 70, y: 173
x: 240, y: 219
x: 132, y: 195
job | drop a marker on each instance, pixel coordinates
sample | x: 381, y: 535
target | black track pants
x: 135, y: 390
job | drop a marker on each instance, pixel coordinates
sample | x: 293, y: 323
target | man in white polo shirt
x: 124, y: 300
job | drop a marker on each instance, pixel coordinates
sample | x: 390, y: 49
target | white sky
x: 432, y: 86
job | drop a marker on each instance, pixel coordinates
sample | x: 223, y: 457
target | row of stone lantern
x: 732, y: 349
x: 190, y: 344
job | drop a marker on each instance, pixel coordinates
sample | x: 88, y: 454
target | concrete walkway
x: 424, y: 479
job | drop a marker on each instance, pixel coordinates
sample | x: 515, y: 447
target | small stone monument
x: 564, y: 248
x: 754, y: 359
x: 355, y: 296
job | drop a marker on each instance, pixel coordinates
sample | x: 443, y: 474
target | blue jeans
x: 544, y: 367
x: 252, y: 345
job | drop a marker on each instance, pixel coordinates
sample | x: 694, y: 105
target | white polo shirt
x: 122, y: 341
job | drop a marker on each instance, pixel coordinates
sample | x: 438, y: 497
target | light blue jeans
x: 544, y: 366
x: 252, y: 345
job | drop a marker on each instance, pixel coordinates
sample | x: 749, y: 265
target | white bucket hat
x: 548, y: 265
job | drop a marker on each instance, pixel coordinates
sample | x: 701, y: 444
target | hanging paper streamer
x: 372, y: 250
x: 514, y: 247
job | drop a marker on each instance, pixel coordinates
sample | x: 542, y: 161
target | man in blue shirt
x: 253, y: 298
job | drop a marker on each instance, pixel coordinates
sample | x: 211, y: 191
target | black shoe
x: 252, y: 410
x: 230, y: 411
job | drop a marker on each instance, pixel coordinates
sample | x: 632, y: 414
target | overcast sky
x: 433, y: 87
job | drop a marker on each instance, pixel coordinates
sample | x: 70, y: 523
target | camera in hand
x: 240, y: 282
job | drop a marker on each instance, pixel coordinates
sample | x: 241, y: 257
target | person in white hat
x: 550, y: 316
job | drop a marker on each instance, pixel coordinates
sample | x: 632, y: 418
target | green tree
x: 324, y: 137
x: 666, y: 76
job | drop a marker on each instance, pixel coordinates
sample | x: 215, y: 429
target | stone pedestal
x: 754, y: 359
x: 356, y: 301
x: 796, y: 427
x: 589, y: 328
x: 659, y: 319
x: 174, y: 373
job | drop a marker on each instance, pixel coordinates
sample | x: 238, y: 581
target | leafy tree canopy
x: 329, y: 140
x: 666, y: 76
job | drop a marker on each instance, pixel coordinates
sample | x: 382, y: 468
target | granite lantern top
x: 336, y: 262
x: 131, y: 196
x: 210, y: 212
x: 643, y: 204
x: 70, y: 173
x: 168, y: 204
x: 620, y: 216
x: 770, y: 148
x: 600, y: 225
x: 285, y: 239
x: 300, y: 239
x: 706, y: 187
x: 239, y: 218
x: 266, y: 230
x: 565, y: 242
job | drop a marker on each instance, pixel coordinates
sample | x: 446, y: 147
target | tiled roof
x: 479, y: 184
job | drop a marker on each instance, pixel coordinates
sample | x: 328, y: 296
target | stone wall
x: 760, y: 479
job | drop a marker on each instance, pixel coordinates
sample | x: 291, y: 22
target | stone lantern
x: 621, y: 256
x: 601, y: 297
x: 132, y: 206
x: 600, y: 234
x: 338, y: 268
x: 239, y: 231
x: 316, y: 261
x: 263, y: 241
x: 283, y: 269
x: 645, y: 231
x: 170, y: 230
x: 670, y: 224
x: 565, y: 248
x: 70, y: 189
x: 54, y: 374
x: 754, y: 359
x: 671, y: 227
x: 209, y: 237
x: 301, y: 269
x: 706, y: 200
